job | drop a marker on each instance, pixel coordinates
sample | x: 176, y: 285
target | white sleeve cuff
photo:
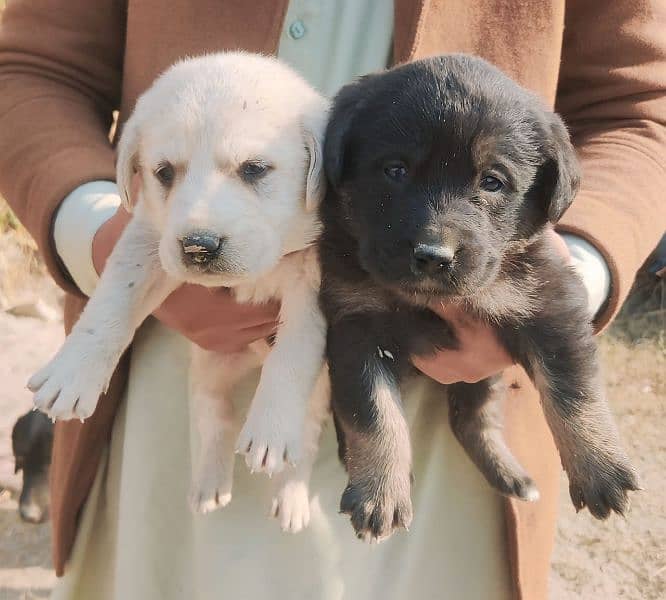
x: 79, y: 217
x: 592, y: 268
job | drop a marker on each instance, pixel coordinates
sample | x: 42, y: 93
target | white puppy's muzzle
x: 201, y: 247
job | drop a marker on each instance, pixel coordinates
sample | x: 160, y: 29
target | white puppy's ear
x: 126, y: 165
x: 314, y: 128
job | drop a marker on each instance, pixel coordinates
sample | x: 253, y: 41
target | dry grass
x: 625, y: 558
x: 622, y: 558
x: 20, y: 266
x: 8, y: 222
x: 643, y: 316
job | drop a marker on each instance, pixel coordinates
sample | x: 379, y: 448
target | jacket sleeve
x: 60, y: 76
x: 612, y: 94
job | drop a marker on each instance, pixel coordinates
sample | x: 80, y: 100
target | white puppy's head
x: 228, y: 149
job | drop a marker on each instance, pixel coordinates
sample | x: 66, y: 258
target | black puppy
x: 32, y: 441
x: 443, y: 176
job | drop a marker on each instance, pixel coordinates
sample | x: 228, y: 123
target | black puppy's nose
x: 201, y: 247
x: 430, y: 260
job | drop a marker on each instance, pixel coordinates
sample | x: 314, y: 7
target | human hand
x: 209, y: 317
x: 480, y: 353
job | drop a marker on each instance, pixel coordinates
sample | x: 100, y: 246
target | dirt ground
x: 25, y: 564
x: 623, y: 558
x: 617, y: 559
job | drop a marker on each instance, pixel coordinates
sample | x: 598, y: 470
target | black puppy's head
x: 439, y: 167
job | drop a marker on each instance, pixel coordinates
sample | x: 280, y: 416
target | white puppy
x: 228, y: 150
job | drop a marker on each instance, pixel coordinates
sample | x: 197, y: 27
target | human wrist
x: 590, y: 265
x: 79, y: 217
x: 106, y: 236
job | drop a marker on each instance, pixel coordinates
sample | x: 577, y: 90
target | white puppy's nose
x: 200, y: 247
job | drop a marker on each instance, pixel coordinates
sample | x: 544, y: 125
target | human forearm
x: 612, y: 94
x: 60, y: 66
x: 592, y: 269
x: 79, y: 218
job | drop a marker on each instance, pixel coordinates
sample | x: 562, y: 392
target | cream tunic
x: 138, y: 538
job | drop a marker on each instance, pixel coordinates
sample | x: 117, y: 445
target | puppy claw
x: 204, y: 505
x: 532, y: 495
x: 376, y: 512
x: 265, y: 451
x: 507, y: 476
x: 70, y: 385
x: 604, y: 489
x: 207, y: 496
x: 291, y: 506
x: 37, y: 380
x: 524, y: 489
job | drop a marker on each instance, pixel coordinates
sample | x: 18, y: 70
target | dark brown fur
x: 32, y: 441
x: 413, y: 158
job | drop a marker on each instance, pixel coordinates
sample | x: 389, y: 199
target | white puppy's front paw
x: 269, y: 440
x: 210, y: 490
x: 291, y: 506
x: 70, y: 385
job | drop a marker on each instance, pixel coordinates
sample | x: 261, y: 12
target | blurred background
x: 620, y: 558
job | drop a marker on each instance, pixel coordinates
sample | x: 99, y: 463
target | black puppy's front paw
x: 377, y: 509
x: 516, y: 485
x: 603, y: 486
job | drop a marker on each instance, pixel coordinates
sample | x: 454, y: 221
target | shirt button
x: 297, y: 30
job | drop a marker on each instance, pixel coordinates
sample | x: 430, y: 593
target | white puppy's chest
x: 291, y: 273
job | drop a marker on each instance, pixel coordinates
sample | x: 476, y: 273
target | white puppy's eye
x: 252, y: 170
x: 165, y: 174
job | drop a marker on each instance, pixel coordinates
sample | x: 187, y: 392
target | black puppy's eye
x: 491, y: 184
x: 396, y: 171
x: 251, y: 170
x: 165, y: 174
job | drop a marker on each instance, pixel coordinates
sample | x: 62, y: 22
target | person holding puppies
x: 121, y: 526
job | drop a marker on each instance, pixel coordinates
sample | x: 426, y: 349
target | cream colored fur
x: 206, y: 116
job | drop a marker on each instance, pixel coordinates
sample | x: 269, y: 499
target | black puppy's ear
x: 346, y: 105
x: 558, y: 178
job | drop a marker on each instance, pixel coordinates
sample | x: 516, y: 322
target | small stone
x: 37, y: 309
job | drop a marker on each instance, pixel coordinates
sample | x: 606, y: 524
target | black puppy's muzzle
x: 431, y: 261
x: 201, y: 247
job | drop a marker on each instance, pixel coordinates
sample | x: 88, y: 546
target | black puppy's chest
x: 532, y: 285
x: 398, y: 327
x: 395, y: 328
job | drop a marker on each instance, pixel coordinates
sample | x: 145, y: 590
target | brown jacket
x: 65, y: 65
